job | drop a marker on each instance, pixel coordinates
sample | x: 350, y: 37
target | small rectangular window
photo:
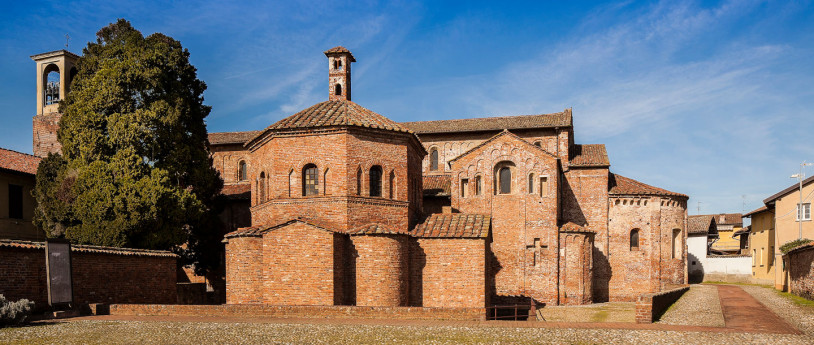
x: 543, y: 185
x: 15, y: 201
x: 805, y: 211
x: 464, y: 187
x: 477, y: 185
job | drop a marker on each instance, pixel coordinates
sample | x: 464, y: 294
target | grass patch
x: 797, y: 300
x: 600, y: 316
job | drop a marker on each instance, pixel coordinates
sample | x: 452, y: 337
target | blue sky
x: 710, y: 99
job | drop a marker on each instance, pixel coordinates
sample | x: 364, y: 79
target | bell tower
x: 55, y: 71
x: 339, y: 60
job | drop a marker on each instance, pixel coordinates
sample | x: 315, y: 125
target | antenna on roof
x: 67, y: 39
x: 699, y: 208
x: 743, y: 207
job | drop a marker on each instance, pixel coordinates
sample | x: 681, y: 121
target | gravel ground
x: 138, y: 332
x: 700, y: 306
x: 598, y: 312
x: 800, y: 317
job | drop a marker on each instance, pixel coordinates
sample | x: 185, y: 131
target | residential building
x: 17, y: 171
x: 762, y: 244
x: 788, y: 218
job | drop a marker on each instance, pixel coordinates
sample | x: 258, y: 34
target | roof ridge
x: 22, y: 153
x: 488, y: 117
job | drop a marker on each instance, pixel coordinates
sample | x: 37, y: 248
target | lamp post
x: 800, y: 177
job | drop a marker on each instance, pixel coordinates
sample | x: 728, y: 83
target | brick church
x: 339, y: 205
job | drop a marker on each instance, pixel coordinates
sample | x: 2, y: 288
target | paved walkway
x: 742, y: 313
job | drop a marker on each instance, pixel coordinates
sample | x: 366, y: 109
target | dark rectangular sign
x: 58, y: 267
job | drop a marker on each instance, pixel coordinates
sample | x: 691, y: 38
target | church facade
x: 339, y: 205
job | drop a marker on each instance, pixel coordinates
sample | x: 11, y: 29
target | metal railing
x: 515, y: 312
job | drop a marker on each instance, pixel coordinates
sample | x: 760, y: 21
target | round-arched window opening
x: 434, y: 159
x: 338, y: 90
x: 634, y: 239
x: 241, y: 171
x: 51, y: 80
x: 375, y: 180
x: 310, y: 180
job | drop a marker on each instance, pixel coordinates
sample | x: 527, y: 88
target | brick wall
x: 45, y: 134
x: 650, y: 307
x: 381, y: 270
x: 97, y: 277
x: 450, y: 273
x: 801, y: 272
x: 244, y: 270
x: 575, y: 268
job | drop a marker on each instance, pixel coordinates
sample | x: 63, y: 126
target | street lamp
x: 800, y: 177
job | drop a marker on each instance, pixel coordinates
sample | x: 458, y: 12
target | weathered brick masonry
x: 800, y: 262
x: 100, y: 274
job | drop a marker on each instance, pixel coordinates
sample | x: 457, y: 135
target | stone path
x: 744, y: 313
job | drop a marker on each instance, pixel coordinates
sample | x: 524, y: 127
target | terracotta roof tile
x: 729, y: 219
x: 561, y: 119
x: 621, y: 185
x: 758, y: 210
x: 375, y: 229
x: 438, y: 185
x: 700, y: 224
x: 258, y: 231
x: 339, y: 50
x: 20, y: 162
x: 589, y: 155
x: 453, y: 225
x: 239, y: 191
x: 226, y: 138
x: 81, y: 248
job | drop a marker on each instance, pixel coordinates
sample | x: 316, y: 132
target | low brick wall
x: 649, y: 307
x: 800, y: 263
x: 288, y: 311
x: 100, y: 274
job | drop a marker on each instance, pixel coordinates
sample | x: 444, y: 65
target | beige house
x: 17, y: 172
x: 728, y: 225
x: 762, y: 244
x: 787, y: 220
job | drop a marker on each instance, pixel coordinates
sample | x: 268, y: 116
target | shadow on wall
x: 695, y: 269
x: 602, y: 273
x: 571, y: 211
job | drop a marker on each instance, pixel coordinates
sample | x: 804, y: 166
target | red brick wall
x: 452, y: 273
x: 801, y: 272
x: 650, y: 307
x: 244, y: 270
x: 45, y: 134
x: 381, y: 270
x: 97, y: 278
x: 575, y: 268
x: 298, y: 264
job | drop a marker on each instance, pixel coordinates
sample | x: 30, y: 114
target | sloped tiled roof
x: 240, y: 191
x: 336, y: 113
x: 621, y: 185
x: 225, y: 138
x: 257, y: 231
x: 561, y: 119
x: 588, y: 155
x: 700, y: 224
x: 758, y: 210
x: 339, y: 50
x: 729, y: 219
x: 374, y: 229
x: 439, y: 185
x: 89, y: 249
x: 453, y: 225
x: 19, y: 162
x: 793, y: 188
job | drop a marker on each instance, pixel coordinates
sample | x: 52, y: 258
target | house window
x: 464, y: 187
x: 310, y: 180
x: 531, y: 183
x: 761, y: 257
x: 241, y: 171
x: 261, y: 187
x: 434, y: 160
x: 504, y: 180
x: 477, y: 185
x: 376, y: 181
x: 634, y: 239
x: 544, y: 186
x: 676, y: 243
x: 754, y: 257
x: 15, y: 201
x: 359, y: 181
x: 805, y: 211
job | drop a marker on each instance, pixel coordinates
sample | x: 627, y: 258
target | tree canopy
x: 135, y: 170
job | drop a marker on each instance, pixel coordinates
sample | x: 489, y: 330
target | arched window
x: 261, y: 187
x: 337, y: 90
x: 392, y: 187
x: 325, y: 182
x: 338, y: 64
x: 376, y: 180
x: 359, y: 181
x: 290, y: 181
x: 544, y: 186
x: 310, y: 180
x: 51, y: 84
x: 676, y: 243
x: 477, y: 185
x: 434, y: 159
x: 538, y: 144
x: 241, y: 171
x: 531, y: 183
x: 634, y: 239
x: 504, y: 180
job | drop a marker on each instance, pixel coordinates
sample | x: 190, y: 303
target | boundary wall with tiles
x: 100, y: 274
x: 649, y: 307
x: 292, y: 311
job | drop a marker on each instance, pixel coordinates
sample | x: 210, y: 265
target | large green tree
x: 135, y: 170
